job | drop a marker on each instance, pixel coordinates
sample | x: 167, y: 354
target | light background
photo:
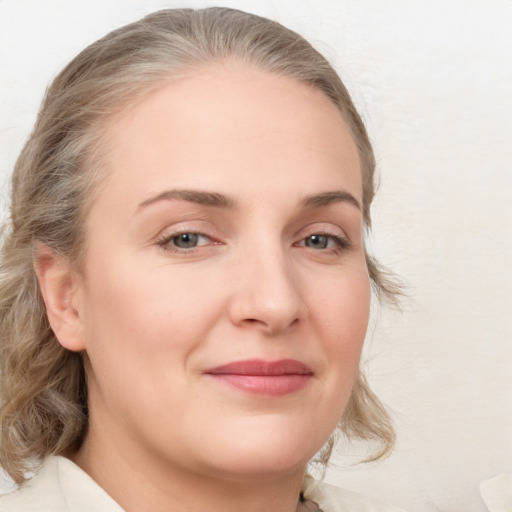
x: 433, y: 81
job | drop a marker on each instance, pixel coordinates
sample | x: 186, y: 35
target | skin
x: 151, y: 317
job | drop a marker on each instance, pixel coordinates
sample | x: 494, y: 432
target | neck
x: 142, y: 482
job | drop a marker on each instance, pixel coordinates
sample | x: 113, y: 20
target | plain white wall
x: 433, y: 81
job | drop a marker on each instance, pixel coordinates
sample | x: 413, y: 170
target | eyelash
x: 166, y: 244
x: 340, y: 242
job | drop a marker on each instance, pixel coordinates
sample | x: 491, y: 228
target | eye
x: 187, y: 240
x: 318, y: 241
x: 321, y: 241
x: 183, y: 241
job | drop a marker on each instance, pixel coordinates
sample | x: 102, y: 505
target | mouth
x: 266, y: 378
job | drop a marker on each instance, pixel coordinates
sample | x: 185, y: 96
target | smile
x: 267, y: 378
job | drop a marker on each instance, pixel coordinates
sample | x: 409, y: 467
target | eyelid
x: 164, y: 238
x: 168, y: 238
x: 329, y: 230
x: 323, y: 228
x: 341, y: 242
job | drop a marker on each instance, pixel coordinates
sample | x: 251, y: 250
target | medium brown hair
x: 43, y: 386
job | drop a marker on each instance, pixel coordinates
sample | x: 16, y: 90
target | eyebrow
x: 327, y: 198
x: 192, y: 196
x: 221, y: 201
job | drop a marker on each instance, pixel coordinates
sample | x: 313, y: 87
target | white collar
x: 61, y: 486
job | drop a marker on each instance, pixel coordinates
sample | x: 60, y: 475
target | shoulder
x: 38, y: 493
x: 334, y: 499
x: 58, y: 486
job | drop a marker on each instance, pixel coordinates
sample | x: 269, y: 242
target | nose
x: 267, y: 294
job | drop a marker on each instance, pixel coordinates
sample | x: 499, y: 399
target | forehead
x: 228, y: 120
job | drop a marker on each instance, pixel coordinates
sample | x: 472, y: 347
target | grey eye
x: 317, y: 241
x: 186, y: 240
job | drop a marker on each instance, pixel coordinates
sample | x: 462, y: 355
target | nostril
x: 254, y: 323
x: 270, y: 326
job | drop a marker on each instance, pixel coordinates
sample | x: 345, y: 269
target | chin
x: 266, y: 452
x: 253, y: 467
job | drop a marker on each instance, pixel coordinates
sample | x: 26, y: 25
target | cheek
x: 147, y: 314
x: 344, y: 304
x: 340, y: 314
x: 339, y: 318
x: 141, y: 331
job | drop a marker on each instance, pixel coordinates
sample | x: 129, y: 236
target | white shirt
x: 61, y: 486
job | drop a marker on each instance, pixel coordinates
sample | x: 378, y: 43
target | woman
x: 185, y: 288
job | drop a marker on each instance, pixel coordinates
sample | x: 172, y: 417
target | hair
x: 43, y: 386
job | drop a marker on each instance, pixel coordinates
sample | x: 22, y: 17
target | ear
x: 60, y: 288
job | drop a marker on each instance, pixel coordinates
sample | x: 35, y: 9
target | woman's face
x: 225, y: 295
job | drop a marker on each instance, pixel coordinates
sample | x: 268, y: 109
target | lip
x: 266, y: 378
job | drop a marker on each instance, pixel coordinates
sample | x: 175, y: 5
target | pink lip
x: 270, y: 378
